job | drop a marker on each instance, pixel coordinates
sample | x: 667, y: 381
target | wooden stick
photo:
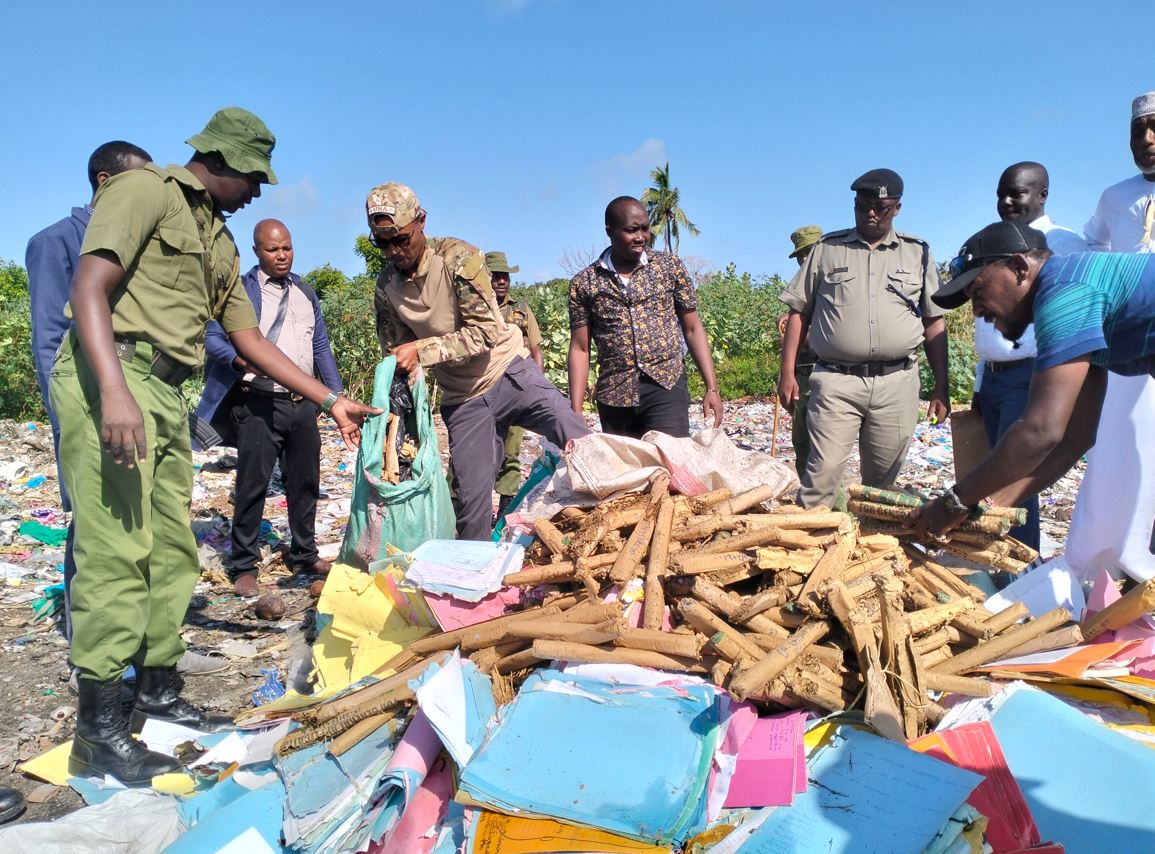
x: 1007, y: 617
x: 681, y: 644
x: 966, y: 685
x: 691, y: 563
x: 706, y: 500
x: 392, y: 469
x: 630, y: 558
x: 491, y: 628
x: 523, y: 660
x: 774, y: 430
x: 727, y: 604
x: 654, y: 606
x: 759, y: 602
x: 559, y: 651
x: 934, y: 657
x: 706, y: 528
x: 759, y: 674
x: 1003, y: 644
x: 551, y: 537
x: 704, y: 620
x: 547, y: 573
x: 561, y: 630
x: 809, y: 521
x: 973, y: 624
x: 1058, y: 639
x: 743, y: 501
x: 1139, y: 601
x: 936, y: 640
x: 356, y: 733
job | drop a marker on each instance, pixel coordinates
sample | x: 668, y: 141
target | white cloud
x: 292, y: 200
x: 631, y: 167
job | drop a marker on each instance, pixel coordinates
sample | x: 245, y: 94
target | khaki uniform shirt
x: 169, y: 290
x: 865, y: 305
x: 521, y: 315
x: 449, y: 309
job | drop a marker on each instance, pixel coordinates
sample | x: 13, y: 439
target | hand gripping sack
x: 405, y: 514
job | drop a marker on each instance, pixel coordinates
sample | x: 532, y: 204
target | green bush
x: 347, y: 306
x: 549, y: 302
x: 19, y: 393
x: 961, y: 358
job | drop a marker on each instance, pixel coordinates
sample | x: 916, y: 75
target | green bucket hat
x: 242, y: 139
x: 496, y: 262
x: 803, y: 238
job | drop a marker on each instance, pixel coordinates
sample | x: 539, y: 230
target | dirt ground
x: 37, y: 704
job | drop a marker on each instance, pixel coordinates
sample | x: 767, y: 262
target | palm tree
x: 666, y: 217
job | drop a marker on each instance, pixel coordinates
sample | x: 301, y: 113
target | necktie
x: 282, y: 309
x: 1148, y: 221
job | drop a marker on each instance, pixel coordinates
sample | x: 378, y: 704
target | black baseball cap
x: 997, y: 241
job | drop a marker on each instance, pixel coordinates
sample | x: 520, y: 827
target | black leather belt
x: 164, y: 367
x: 276, y: 395
x: 803, y: 370
x: 870, y: 369
x: 999, y: 367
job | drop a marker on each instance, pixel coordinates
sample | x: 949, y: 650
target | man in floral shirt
x: 639, y: 307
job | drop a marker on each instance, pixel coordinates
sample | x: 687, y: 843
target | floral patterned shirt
x: 633, y: 322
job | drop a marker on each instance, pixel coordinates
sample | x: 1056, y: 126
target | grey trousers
x: 880, y: 412
x: 523, y: 397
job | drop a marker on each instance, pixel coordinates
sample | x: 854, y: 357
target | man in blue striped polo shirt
x: 1093, y: 312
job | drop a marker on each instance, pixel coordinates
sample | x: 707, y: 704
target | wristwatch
x: 954, y: 504
x: 327, y: 403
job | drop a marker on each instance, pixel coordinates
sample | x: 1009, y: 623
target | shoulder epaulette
x: 910, y: 238
x: 830, y: 235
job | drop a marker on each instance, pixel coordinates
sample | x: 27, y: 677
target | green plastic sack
x: 405, y: 514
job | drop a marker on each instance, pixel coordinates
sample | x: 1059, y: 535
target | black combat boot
x: 158, y: 696
x: 503, y: 502
x: 103, y: 744
x: 11, y: 804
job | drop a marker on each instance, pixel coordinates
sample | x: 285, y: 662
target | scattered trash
x: 272, y: 688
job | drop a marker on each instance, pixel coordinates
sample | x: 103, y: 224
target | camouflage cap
x: 395, y: 201
x: 242, y: 139
x: 803, y: 238
x: 496, y: 262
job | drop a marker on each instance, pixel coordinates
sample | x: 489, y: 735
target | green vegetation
x: 19, y: 394
x: 663, y: 206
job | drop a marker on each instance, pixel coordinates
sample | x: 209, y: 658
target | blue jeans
x: 1003, y: 399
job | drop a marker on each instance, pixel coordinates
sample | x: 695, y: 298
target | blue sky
x: 515, y: 121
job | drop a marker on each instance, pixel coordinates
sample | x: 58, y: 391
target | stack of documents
x: 868, y: 794
x: 771, y: 767
x: 633, y: 760
x: 464, y: 569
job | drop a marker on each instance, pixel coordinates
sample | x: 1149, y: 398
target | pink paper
x: 1105, y: 593
x: 768, y: 764
x: 800, y: 757
x: 417, y: 748
x: 453, y: 613
x: 416, y: 832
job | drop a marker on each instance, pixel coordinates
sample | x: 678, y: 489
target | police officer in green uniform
x: 157, y: 263
x: 518, y: 313
x: 864, y: 298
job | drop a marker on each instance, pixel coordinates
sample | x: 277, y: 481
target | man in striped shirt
x: 1093, y: 312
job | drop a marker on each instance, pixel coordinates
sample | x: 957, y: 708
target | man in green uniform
x: 518, y: 313
x: 156, y: 264
x: 804, y: 239
x: 864, y: 297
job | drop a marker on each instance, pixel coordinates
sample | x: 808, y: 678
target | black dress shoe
x: 158, y: 696
x: 11, y: 804
x: 103, y: 744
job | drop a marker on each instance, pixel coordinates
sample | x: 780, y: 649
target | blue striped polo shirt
x: 1100, y: 304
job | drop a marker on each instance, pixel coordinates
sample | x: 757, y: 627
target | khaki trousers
x: 136, y: 557
x: 880, y: 412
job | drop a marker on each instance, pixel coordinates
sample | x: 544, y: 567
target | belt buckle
x: 296, y: 398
